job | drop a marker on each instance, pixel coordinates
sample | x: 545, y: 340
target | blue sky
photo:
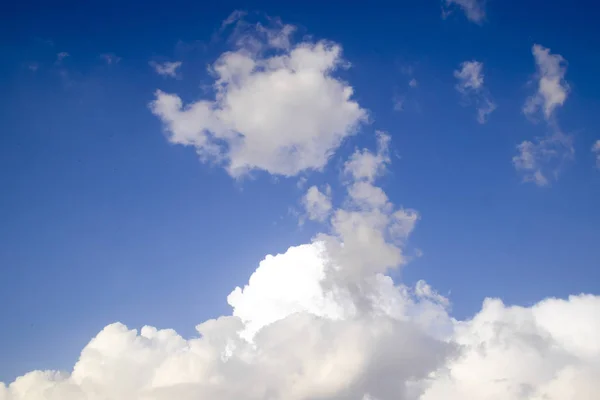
x: 104, y: 220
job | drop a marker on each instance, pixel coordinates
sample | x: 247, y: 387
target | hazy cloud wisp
x: 540, y: 160
x: 470, y: 84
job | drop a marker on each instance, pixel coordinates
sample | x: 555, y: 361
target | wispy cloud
x: 60, y: 57
x: 473, y: 9
x: 596, y: 151
x: 471, y: 85
x: 110, y: 58
x: 398, y: 102
x: 541, y: 159
x: 166, y: 68
x: 405, y: 97
x: 552, y: 89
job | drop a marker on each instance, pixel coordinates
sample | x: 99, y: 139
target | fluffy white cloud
x: 166, y: 68
x: 317, y: 204
x: 541, y: 160
x: 413, y: 83
x: 552, y: 89
x: 596, y: 150
x: 473, y: 9
x: 549, y: 351
x: 470, y: 84
x: 278, y: 108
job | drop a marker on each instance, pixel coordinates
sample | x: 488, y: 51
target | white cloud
x: 322, y: 321
x: 110, y: 58
x: 283, y: 113
x: 413, y: 83
x: 552, y: 89
x: 365, y: 165
x: 473, y: 9
x: 541, y: 160
x: 367, y: 234
x: 317, y: 204
x: 596, y: 150
x: 470, y: 76
x: 549, y: 351
x: 470, y: 84
x: 166, y: 68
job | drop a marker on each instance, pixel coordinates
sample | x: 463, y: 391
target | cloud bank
x: 323, y: 321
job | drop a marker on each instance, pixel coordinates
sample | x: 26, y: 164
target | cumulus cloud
x: 596, y: 150
x: 166, y: 68
x: 277, y: 107
x: 324, y: 321
x: 299, y: 330
x: 548, y: 351
x: 473, y: 9
x: 470, y: 84
x: 540, y: 160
